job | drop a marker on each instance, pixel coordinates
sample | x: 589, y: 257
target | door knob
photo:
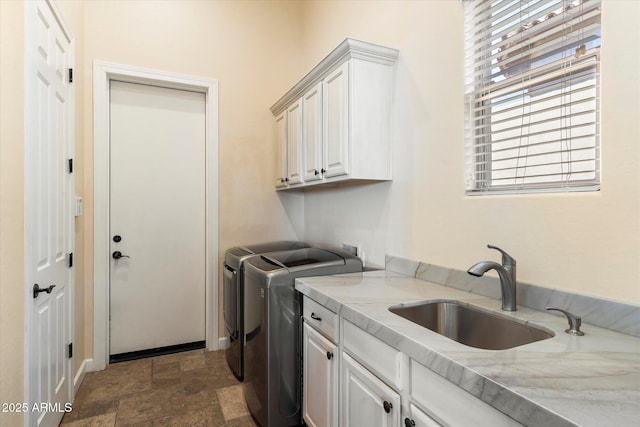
x: 37, y: 290
x: 387, y: 406
x: 117, y: 238
x: 118, y: 255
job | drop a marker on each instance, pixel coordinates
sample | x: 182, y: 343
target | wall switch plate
x: 77, y: 206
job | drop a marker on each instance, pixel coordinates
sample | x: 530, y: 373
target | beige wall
x: 11, y: 207
x: 582, y: 242
x: 249, y: 47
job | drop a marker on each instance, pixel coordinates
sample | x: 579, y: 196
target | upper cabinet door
x: 312, y: 133
x: 294, y: 143
x: 281, y: 148
x: 336, y: 124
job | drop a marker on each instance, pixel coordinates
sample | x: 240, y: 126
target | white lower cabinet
x: 417, y: 418
x: 450, y: 404
x: 376, y: 384
x: 320, y: 394
x: 366, y: 400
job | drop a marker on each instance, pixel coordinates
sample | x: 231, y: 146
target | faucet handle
x: 574, y: 321
x: 507, y: 260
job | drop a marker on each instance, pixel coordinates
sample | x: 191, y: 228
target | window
x: 532, y: 95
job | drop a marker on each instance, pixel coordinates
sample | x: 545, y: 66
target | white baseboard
x: 223, y: 343
x: 85, y: 367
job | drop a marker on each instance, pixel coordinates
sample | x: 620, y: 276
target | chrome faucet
x: 507, y: 273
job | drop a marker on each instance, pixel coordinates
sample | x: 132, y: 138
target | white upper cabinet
x: 294, y: 143
x: 281, y: 150
x: 312, y: 133
x: 335, y: 110
x: 344, y: 106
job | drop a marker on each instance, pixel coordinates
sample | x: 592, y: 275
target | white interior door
x: 157, y: 154
x: 48, y: 215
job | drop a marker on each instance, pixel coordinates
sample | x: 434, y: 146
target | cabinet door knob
x: 409, y: 422
x: 329, y: 355
x: 315, y: 172
x: 387, y: 406
x: 286, y: 180
x: 314, y: 317
x: 323, y: 170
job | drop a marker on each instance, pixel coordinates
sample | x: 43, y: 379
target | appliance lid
x: 284, y: 245
x: 304, y: 259
x: 234, y: 257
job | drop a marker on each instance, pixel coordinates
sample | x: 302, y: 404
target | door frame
x: 103, y: 73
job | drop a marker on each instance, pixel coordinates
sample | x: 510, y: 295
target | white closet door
x: 49, y: 220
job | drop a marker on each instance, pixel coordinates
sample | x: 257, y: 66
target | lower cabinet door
x: 366, y: 400
x: 320, y: 391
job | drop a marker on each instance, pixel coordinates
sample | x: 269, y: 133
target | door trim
x: 103, y: 73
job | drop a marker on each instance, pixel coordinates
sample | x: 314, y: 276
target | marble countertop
x: 593, y: 380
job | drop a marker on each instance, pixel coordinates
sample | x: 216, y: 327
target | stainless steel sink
x: 471, y: 326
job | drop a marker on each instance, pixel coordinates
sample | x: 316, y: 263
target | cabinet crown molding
x: 348, y: 49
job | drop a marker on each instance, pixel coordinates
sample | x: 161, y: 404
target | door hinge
x: 70, y: 75
x: 70, y: 165
x: 70, y: 350
x: 70, y: 259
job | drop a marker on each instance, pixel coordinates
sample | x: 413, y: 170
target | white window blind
x: 532, y: 95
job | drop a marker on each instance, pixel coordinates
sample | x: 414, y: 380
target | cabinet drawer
x: 383, y: 360
x: 321, y: 318
x: 420, y: 419
x: 443, y: 400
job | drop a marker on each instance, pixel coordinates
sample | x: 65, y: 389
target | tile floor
x: 193, y: 389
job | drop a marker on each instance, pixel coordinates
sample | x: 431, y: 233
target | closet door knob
x: 387, y: 406
x: 37, y: 289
